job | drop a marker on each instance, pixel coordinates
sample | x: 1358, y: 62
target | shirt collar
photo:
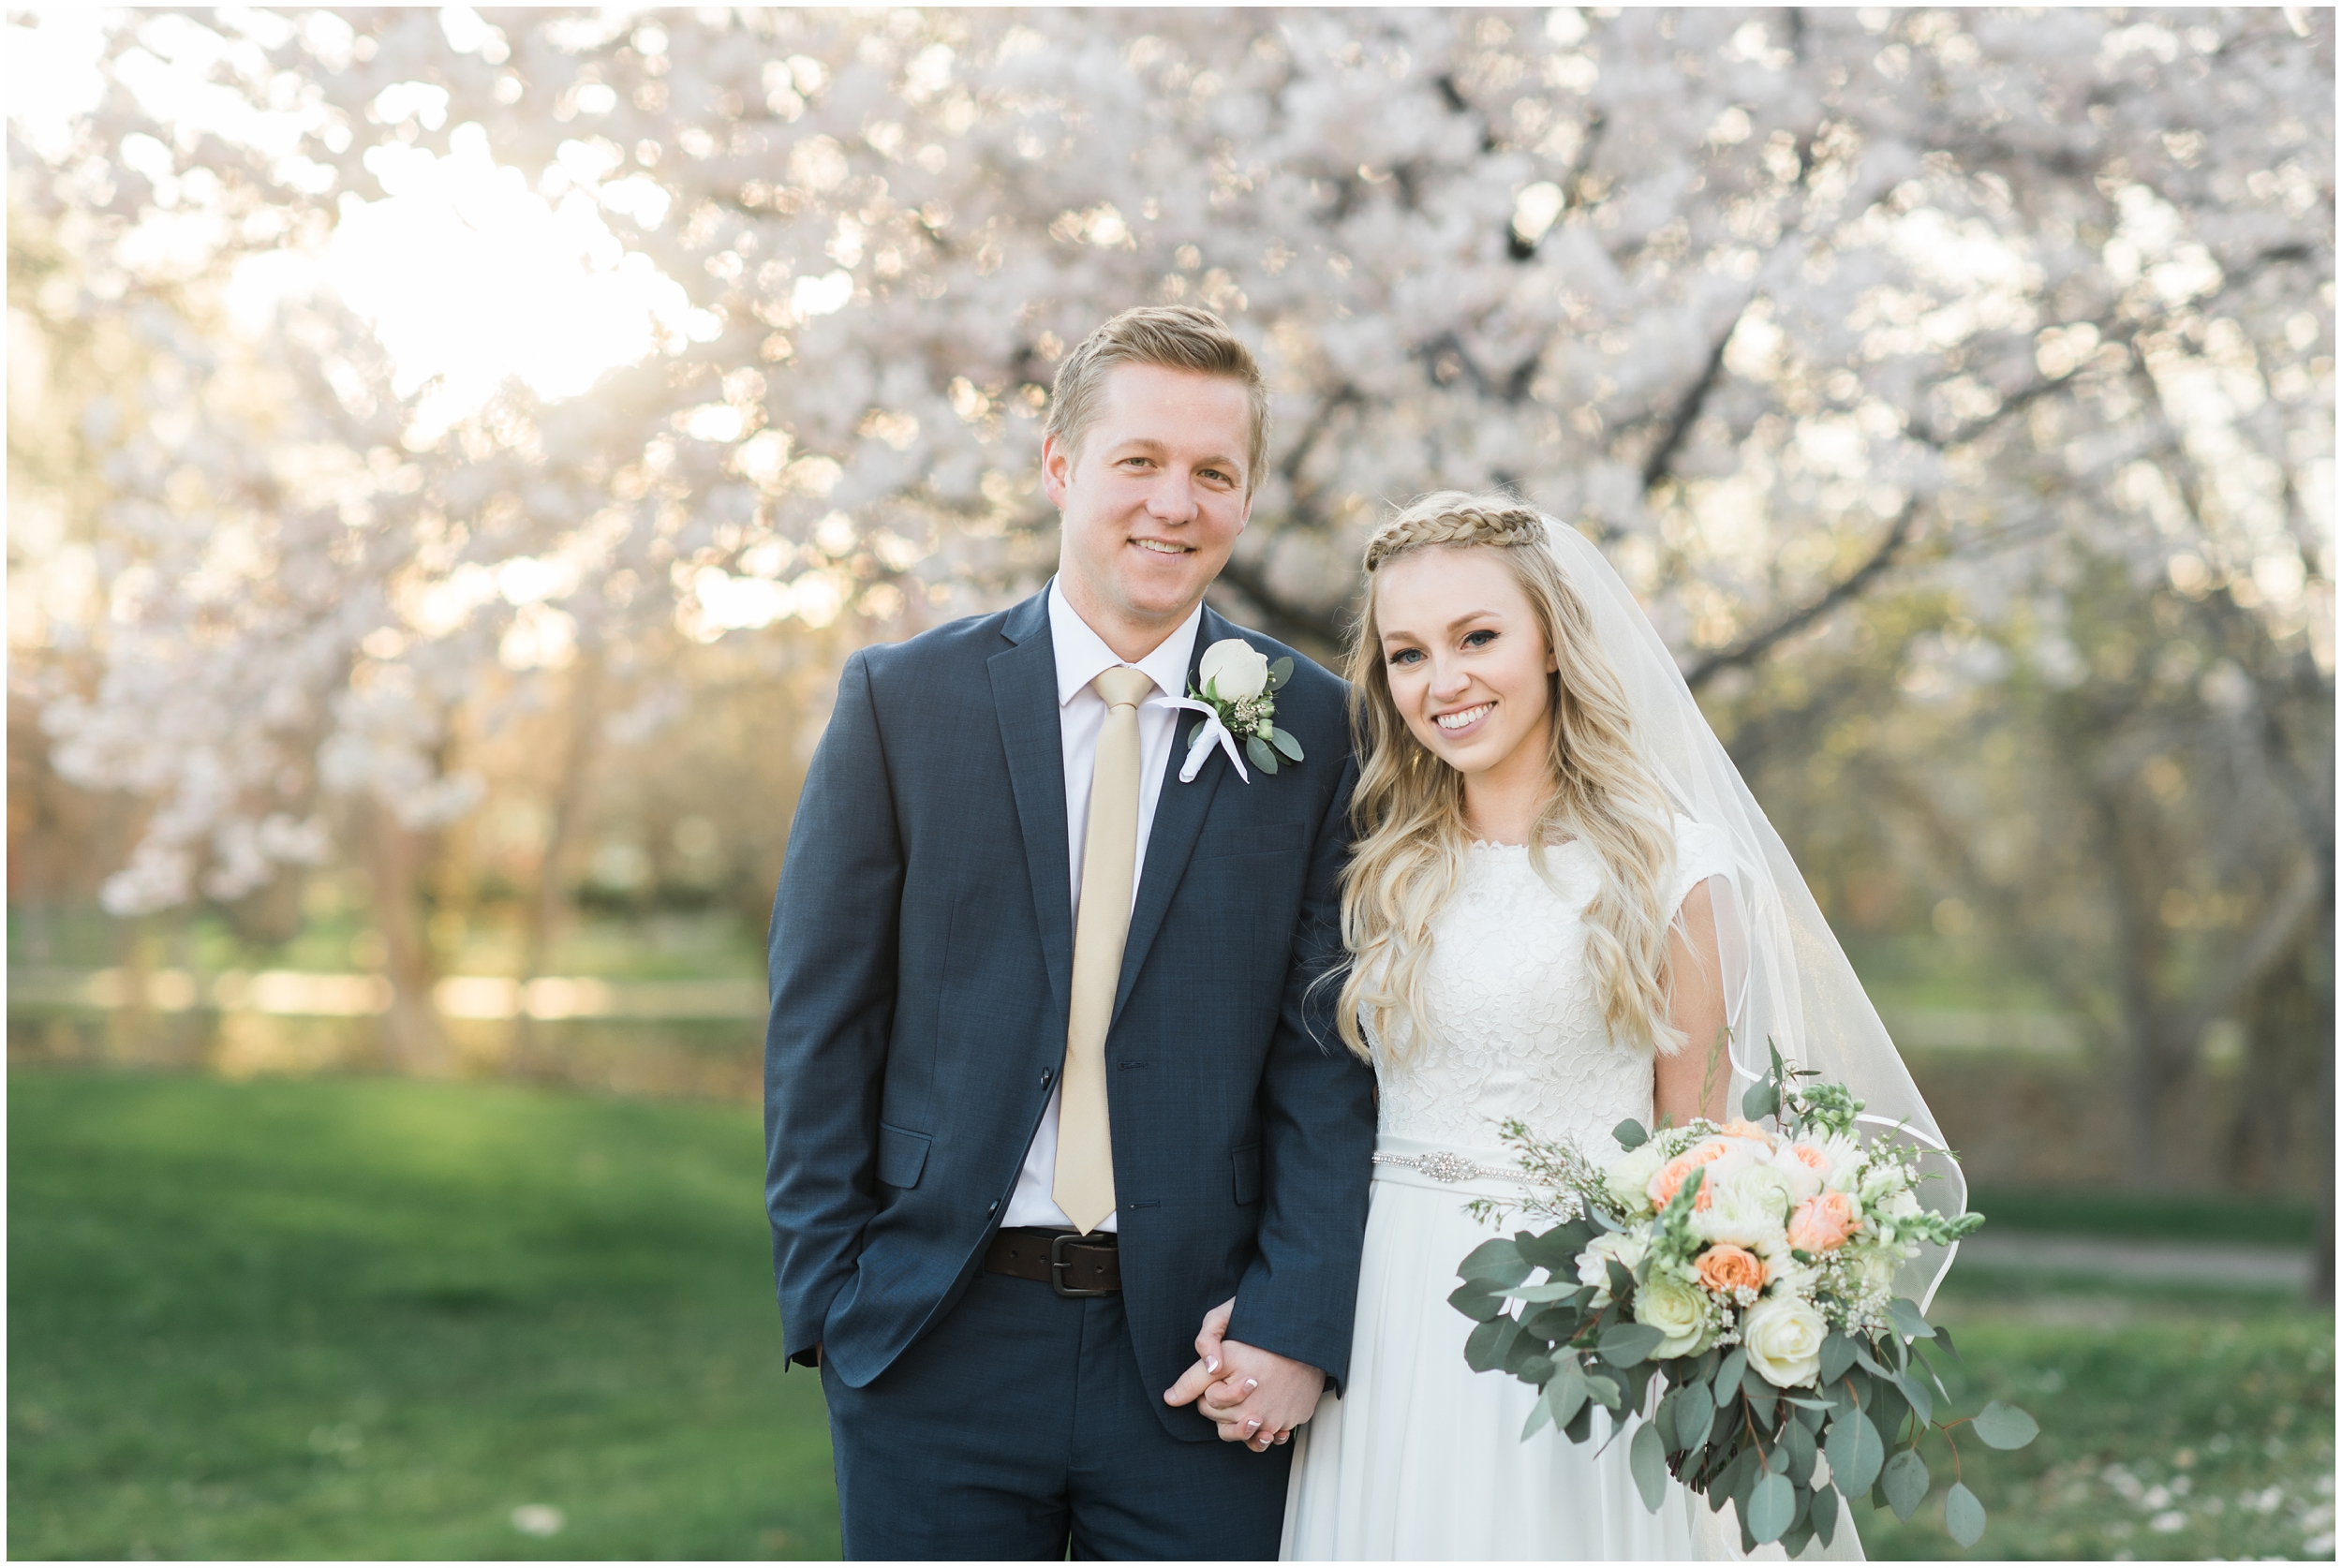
x: 1082, y: 655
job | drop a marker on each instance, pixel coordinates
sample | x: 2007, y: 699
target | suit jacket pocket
x: 902, y: 1154
x: 1247, y: 1173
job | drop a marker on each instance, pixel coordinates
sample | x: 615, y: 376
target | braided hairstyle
x: 1407, y: 817
x: 1453, y: 517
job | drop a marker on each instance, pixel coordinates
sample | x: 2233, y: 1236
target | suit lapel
x: 1024, y: 694
x: 1179, y: 812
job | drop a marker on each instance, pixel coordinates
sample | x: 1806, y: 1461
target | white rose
x: 1783, y: 1337
x: 1902, y: 1206
x: 1591, y: 1263
x: 1629, y: 1176
x: 1677, y: 1309
x: 1234, y: 670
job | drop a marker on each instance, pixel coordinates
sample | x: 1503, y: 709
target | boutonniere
x: 1236, y: 696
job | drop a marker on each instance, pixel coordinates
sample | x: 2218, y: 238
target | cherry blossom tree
x: 1786, y: 308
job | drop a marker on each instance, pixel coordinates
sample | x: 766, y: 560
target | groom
x: 1044, y: 1078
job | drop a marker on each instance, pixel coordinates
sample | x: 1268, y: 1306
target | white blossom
x: 1774, y: 304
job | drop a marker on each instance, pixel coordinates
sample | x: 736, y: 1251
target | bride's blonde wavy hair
x: 1407, y: 814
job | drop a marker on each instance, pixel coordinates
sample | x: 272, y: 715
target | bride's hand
x: 1261, y: 1397
x: 1244, y: 1411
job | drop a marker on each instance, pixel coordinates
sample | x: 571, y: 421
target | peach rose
x: 1743, y: 1127
x: 1811, y: 1158
x: 1822, y: 1225
x: 1668, y: 1179
x: 1725, y: 1268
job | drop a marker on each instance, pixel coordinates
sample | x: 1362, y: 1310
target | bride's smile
x: 1456, y: 723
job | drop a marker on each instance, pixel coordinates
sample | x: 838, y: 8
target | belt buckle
x: 1058, y: 1266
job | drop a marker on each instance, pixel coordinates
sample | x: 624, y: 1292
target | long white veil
x: 1787, y: 979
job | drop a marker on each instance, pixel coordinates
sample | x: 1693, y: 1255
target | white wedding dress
x: 1422, y: 1458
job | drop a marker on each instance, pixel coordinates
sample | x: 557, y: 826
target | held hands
x: 1259, y: 1396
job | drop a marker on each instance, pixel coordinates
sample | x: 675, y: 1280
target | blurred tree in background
x: 1956, y: 387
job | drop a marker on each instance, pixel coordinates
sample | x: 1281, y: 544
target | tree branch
x: 1343, y: 396
x: 1749, y: 649
x: 1286, y: 617
x: 1661, y: 457
x: 2312, y: 886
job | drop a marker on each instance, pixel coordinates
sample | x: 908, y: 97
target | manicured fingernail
x: 1212, y: 1363
x: 1250, y: 1383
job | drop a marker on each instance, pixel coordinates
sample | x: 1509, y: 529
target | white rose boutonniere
x: 1237, y: 694
x: 1234, y: 670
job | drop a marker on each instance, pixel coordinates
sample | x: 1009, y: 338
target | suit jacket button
x: 993, y: 1211
x: 1047, y: 1074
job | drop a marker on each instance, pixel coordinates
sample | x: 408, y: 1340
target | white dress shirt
x: 1082, y: 656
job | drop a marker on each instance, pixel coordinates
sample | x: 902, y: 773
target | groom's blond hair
x: 1178, y: 338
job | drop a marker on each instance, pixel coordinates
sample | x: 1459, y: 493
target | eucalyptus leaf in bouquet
x: 1729, y: 1290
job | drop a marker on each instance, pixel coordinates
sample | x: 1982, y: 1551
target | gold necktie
x: 1084, y: 1186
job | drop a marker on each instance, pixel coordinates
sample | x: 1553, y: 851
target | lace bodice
x: 1520, y: 1030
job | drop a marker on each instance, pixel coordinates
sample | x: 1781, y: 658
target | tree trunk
x: 414, y: 1040
x: 549, y: 904
x: 186, y: 1032
x: 2275, y: 1016
x: 2133, y: 893
x: 2321, y: 1041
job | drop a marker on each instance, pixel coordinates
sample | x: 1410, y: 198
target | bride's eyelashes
x: 1406, y: 658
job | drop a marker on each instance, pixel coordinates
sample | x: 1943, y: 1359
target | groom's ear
x: 1056, y: 469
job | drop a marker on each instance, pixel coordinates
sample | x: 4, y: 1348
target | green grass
x: 2149, y: 1216
x: 365, y: 1318
x: 2175, y: 1424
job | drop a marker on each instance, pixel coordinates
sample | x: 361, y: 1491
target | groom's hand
x: 1263, y: 1396
x: 1197, y: 1378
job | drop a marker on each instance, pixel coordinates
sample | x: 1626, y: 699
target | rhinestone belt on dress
x: 1443, y: 1167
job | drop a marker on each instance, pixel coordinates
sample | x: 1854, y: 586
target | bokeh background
x: 451, y: 452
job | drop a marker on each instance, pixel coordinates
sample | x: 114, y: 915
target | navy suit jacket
x: 922, y: 952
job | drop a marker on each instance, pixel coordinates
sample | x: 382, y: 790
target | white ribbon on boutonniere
x: 1210, y: 730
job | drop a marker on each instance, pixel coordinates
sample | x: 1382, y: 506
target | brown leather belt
x: 1067, y: 1261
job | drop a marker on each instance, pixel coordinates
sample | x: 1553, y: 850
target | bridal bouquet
x: 1751, y: 1274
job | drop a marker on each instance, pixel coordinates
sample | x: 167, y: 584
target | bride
x: 1561, y: 907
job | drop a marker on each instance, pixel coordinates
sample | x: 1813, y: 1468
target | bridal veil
x: 1786, y: 980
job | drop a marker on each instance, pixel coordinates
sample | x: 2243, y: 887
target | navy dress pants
x: 1019, y: 1425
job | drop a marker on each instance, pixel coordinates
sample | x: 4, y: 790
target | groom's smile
x: 1153, y: 493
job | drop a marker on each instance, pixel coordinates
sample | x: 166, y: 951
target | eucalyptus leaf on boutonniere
x: 1236, y: 693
